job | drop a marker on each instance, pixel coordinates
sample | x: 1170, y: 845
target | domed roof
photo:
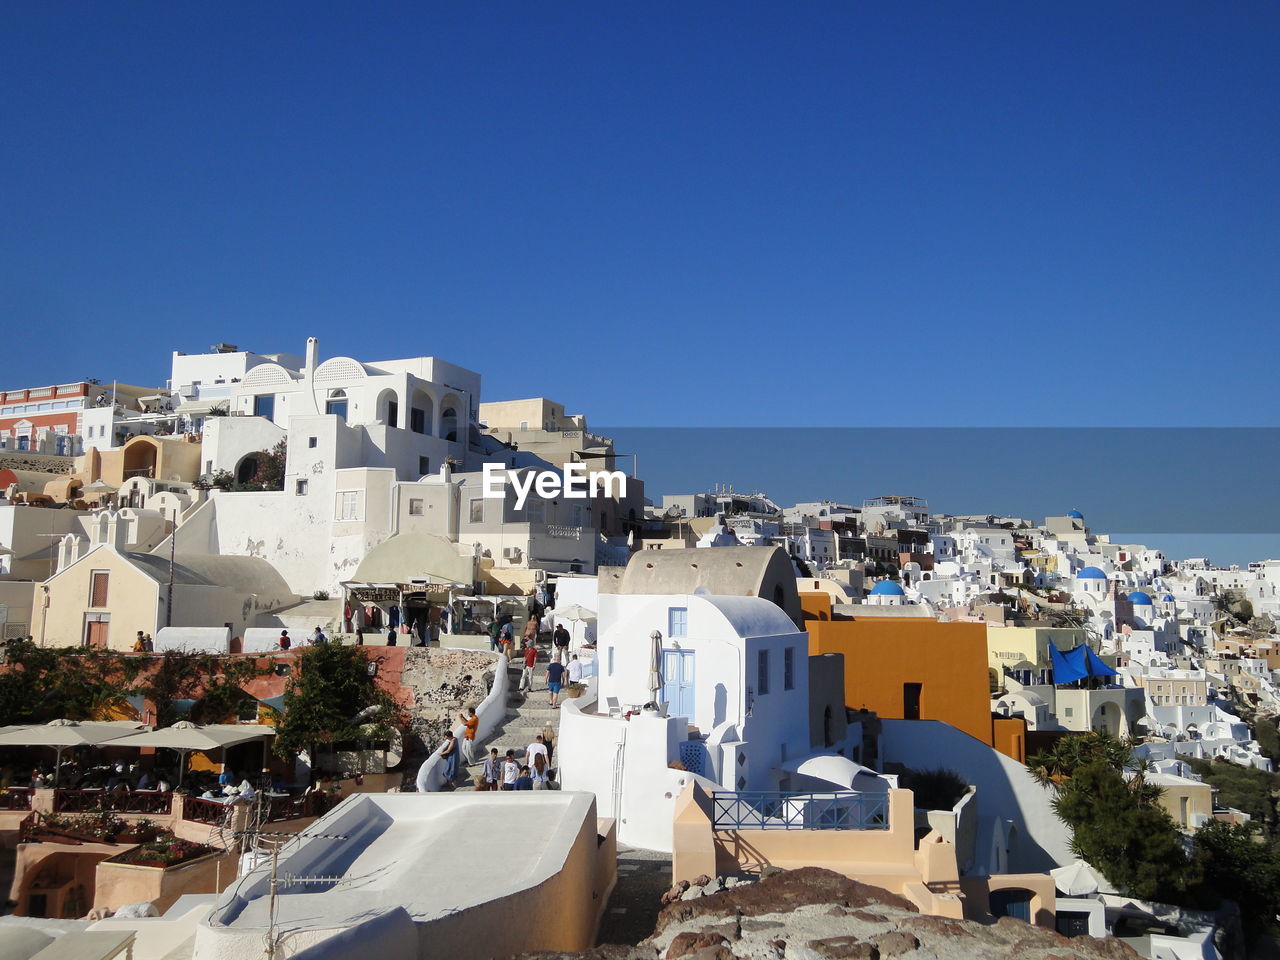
x: 1091, y: 573
x: 1167, y: 598
x: 1075, y: 515
x: 887, y: 588
x: 1140, y: 599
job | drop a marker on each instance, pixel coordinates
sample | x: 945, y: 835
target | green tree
x: 1239, y: 864
x: 214, y: 683
x: 1056, y: 765
x: 1121, y: 830
x: 331, y: 698
x: 39, y: 684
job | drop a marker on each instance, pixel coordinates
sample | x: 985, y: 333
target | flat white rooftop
x: 431, y: 853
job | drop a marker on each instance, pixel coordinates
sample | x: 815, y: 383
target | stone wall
x: 39, y: 463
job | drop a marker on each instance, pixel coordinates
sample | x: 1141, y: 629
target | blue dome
x: 1076, y: 515
x: 887, y: 588
x: 1167, y: 598
x: 1091, y: 573
x: 1139, y: 599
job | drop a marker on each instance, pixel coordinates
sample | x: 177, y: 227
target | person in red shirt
x: 469, y: 736
x: 530, y: 659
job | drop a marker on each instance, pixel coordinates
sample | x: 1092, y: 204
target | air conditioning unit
x: 188, y: 390
x: 511, y: 553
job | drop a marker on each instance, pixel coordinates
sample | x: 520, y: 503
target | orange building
x: 914, y: 668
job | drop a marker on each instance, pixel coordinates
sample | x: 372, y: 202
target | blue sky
x: 704, y: 214
x: 746, y: 214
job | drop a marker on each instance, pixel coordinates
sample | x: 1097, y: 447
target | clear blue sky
x: 738, y: 214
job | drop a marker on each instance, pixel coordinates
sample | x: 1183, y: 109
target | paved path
x: 527, y: 715
x: 643, y: 877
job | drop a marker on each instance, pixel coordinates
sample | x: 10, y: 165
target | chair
x: 613, y: 706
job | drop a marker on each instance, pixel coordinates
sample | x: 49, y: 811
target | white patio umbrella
x: 98, y: 486
x: 186, y: 737
x: 574, y: 611
x: 1077, y: 879
x: 655, y: 664
x: 61, y: 734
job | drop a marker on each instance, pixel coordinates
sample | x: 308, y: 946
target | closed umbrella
x: 655, y: 664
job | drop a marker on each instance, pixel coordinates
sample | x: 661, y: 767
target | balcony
x: 773, y: 810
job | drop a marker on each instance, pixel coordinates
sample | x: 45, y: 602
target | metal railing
x: 115, y: 801
x: 15, y: 798
x: 199, y: 810
x: 775, y: 810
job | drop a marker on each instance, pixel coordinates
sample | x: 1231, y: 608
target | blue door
x: 677, y: 682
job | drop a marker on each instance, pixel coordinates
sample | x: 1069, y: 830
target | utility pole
x: 173, y: 546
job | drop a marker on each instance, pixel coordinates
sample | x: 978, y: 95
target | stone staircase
x: 527, y: 715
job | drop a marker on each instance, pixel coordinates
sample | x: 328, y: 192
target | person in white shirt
x: 538, y: 746
x: 575, y: 670
x: 510, y: 771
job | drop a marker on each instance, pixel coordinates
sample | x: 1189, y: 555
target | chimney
x: 313, y: 355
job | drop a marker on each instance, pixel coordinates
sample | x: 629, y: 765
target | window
x: 348, y: 505
x: 762, y: 672
x: 1067, y: 711
x: 477, y: 510
x: 98, y: 588
x: 265, y: 406
x: 415, y: 508
x: 336, y: 405
x: 247, y: 712
x: 677, y: 621
x: 393, y: 413
x: 789, y: 668
x: 300, y: 488
x: 611, y: 661
x: 312, y: 442
x: 417, y: 420
x: 524, y: 425
x: 424, y: 466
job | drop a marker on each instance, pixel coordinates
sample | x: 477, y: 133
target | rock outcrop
x: 815, y: 914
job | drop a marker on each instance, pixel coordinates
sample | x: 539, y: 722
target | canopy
x: 1076, y: 664
x: 69, y: 733
x: 185, y: 735
x: 1077, y: 879
x: 61, y: 734
x: 832, y: 768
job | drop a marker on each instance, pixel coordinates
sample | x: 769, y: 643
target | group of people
x: 144, y: 643
x: 286, y: 642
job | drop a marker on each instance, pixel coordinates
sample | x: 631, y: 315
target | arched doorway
x: 247, y: 468
x: 140, y: 456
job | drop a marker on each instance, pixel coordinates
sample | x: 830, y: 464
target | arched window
x: 336, y: 405
x: 449, y: 424
x: 779, y: 597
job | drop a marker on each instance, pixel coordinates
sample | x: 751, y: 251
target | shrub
x: 938, y: 789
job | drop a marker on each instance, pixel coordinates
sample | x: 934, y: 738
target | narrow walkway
x: 527, y: 716
x: 643, y: 877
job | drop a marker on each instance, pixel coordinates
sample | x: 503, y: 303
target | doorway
x: 677, y: 682
x: 911, y: 700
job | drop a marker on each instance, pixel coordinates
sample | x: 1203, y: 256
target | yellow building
x: 1025, y: 650
x: 109, y: 594
x: 173, y: 459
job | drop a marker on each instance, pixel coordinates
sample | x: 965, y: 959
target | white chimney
x: 313, y: 355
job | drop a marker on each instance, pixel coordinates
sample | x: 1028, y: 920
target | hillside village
x: 248, y: 614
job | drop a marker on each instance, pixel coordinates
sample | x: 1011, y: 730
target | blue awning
x: 1076, y: 664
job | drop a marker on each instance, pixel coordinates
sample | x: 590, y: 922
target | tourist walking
x: 491, y: 775
x: 507, y: 636
x: 450, y: 756
x: 540, y: 770
x: 535, y: 749
x: 510, y: 771
x: 575, y: 669
x: 494, y: 629
x: 524, y: 781
x: 555, y: 676
x: 526, y: 675
x: 530, y: 636
x: 561, y: 640
x: 469, y: 736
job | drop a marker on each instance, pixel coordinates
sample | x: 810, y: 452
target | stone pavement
x: 643, y: 877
